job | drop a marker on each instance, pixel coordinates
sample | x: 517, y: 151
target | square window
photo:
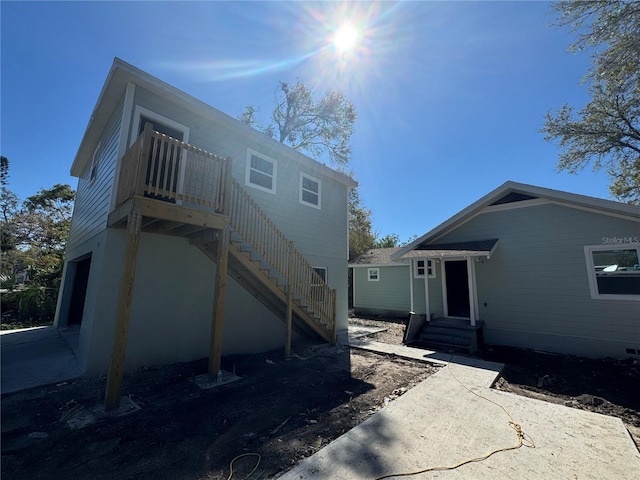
x: 309, y: 191
x: 424, y: 266
x: 322, y: 272
x: 373, y: 274
x: 614, y: 271
x: 261, y: 172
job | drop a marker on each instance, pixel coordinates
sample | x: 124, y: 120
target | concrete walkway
x: 440, y: 422
x: 37, y: 356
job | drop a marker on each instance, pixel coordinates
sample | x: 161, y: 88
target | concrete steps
x: 451, y: 335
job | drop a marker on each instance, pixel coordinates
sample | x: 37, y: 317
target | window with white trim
x: 373, y: 274
x: 614, y: 271
x: 309, y: 190
x: 422, y: 267
x: 95, y: 163
x: 322, y: 271
x: 261, y: 172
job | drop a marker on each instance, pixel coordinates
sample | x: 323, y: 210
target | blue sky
x: 450, y: 95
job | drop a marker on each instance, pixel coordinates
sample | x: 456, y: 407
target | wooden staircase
x: 265, y: 284
x: 169, y: 187
x: 261, y: 258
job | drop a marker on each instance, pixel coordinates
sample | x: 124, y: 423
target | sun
x: 345, y: 38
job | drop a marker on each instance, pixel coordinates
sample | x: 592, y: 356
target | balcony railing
x: 163, y: 168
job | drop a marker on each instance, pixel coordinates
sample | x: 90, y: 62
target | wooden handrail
x: 162, y: 167
x: 258, y: 230
x: 159, y: 166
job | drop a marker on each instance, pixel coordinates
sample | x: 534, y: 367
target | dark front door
x: 457, y: 288
x: 163, y: 168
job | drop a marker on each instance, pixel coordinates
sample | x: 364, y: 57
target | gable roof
x: 114, y: 88
x: 513, y: 193
x: 375, y: 256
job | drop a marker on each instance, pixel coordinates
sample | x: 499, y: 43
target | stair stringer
x: 252, y: 275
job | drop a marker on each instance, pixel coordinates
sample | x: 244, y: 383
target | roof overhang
x: 477, y: 248
x: 114, y: 89
x: 537, y: 194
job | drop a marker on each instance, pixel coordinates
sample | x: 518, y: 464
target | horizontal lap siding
x: 390, y: 293
x: 435, y: 294
x: 319, y: 234
x: 537, y: 279
x: 93, y: 197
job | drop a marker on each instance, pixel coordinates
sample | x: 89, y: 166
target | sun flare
x: 345, y: 37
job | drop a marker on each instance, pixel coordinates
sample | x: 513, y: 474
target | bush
x: 32, y: 306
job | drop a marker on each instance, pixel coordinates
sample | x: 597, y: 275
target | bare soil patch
x: 282, y: 410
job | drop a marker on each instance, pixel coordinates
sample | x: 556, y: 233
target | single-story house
x: 530, y: 267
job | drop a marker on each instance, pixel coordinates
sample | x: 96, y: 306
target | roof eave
x: 114, y: 87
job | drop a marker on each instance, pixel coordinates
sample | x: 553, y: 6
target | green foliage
x: 388, y: 241
x: 34, y: 234
x: 318, y: 127
x: 606, y: 132
x: 361, y: 237
x: 33, y: 305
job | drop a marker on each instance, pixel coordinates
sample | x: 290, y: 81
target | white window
x: 309, y: 191
x: 422, y: 267
x: 614, y: 271
x: 322, y: 271
x: 94, y: 163
x: 373, y: 274
x: 261, y: 172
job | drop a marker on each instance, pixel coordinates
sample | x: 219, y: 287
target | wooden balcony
x: 177, y: 188
x: 173, y: 188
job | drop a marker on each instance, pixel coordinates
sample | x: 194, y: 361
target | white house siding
x: 319, y: 234
x: 172, y: 307
x: 390, y: 296
x: 93, y: 197
x: 534, y: 292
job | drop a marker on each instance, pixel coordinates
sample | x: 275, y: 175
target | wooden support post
x: 217, y: 321
x: 125, y: 298
x: 287, y: 343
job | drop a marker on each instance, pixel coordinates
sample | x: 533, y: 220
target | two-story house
x: 193, y: 233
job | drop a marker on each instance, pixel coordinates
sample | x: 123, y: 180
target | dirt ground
x: 282, y: 410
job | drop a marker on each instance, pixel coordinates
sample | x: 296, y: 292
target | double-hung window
x: 261, y: 172
x: 373, y: 274
x: 309, y: 190
x: 614, y: 271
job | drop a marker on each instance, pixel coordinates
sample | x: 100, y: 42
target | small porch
x: 455, y: 325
